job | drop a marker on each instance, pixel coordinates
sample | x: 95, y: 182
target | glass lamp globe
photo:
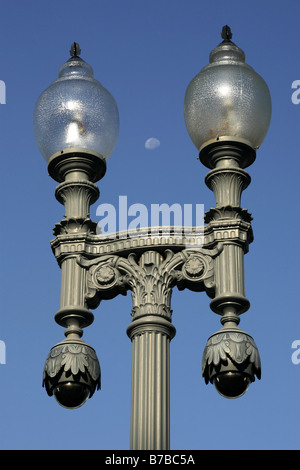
x: 227, y: 100
x: 76, y: 111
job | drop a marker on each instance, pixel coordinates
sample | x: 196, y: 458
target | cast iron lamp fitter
x: 227, y: 112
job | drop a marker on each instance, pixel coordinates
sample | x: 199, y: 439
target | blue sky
x: 145, y: 53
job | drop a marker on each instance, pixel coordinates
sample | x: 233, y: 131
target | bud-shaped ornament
x: 72, y: 373
x: 231, y: 361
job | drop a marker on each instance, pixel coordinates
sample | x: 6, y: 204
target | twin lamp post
x: 227, y: 110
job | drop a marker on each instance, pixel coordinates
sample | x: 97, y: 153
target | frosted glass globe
x: 227, y: 99
x: 76, y: 111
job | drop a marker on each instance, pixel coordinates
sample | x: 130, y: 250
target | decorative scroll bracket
x: 150, y: 277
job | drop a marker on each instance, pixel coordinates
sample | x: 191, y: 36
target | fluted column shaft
x: 150, y: 332
x: 150, y: 387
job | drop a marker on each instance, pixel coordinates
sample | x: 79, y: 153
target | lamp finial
x: 75, y: 50
x: 226, y: 33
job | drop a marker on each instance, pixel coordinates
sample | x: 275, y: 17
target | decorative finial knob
x: 226, y: 33
x: 75, y: 50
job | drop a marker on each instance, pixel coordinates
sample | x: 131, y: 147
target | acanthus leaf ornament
x: 230, y: 350
x: 75, y: 225
x: 150, y: 277
x: 73, y: 361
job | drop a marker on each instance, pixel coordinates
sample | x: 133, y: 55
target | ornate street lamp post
x: 227, y: 112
